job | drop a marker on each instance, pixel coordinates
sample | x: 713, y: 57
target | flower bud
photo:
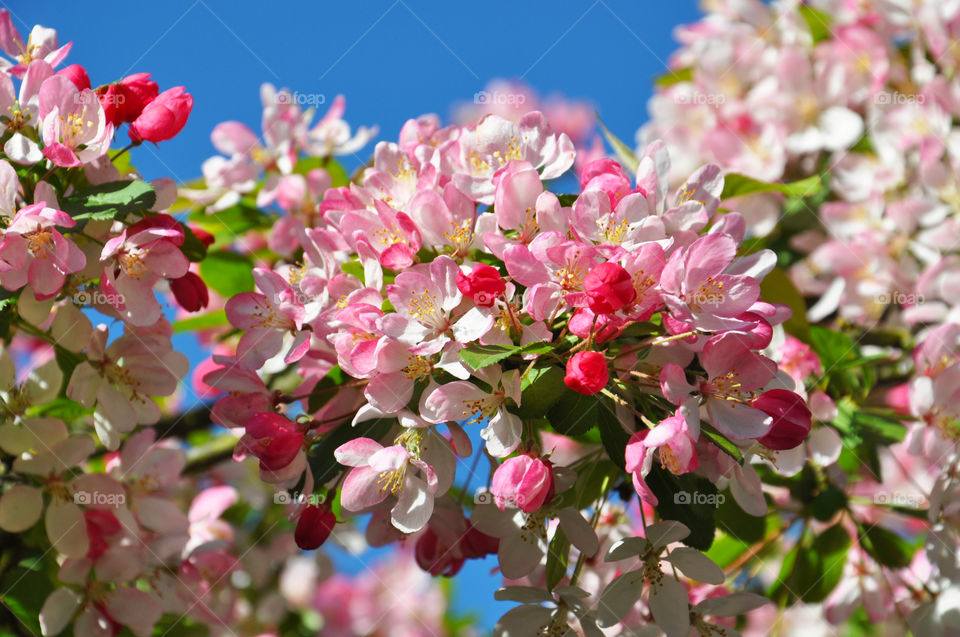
x: 164, y: 117
x: 190, y: 292
x: 273, y: 439
x: 609, y: 287
x: 526, y: 481
x: 484, y: 284
x: 606, y: 175
x: 314, y: 526
x: 791, y: 418
x: 76, y: 74
x: 587, y: 373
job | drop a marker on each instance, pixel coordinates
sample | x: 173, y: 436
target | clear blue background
x: 393, y: 59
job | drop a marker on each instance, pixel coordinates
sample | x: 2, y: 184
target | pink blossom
x: 34, y: 252
x: 71, y: 118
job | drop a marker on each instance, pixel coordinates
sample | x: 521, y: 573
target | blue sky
x: 392, y: 59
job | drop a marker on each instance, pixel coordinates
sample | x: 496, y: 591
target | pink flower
x: 525, y: 481
x: 267, y: 317
x: 164, y: 117
x: 379, y: 472
x: 673, y: 442
x: 33, y: 251
x: 609, y: 288
x: 587, y: 373
x: 606, y: 175
x: 136, y: 260
x: 697, y: 290
x: 73, y: 126
x: 41, y: 44
x: 791, y: 418
x: 798, y: 360
x: 484, y: 284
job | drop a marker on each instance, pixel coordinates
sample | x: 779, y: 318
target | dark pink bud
x: 791, y: 418
x: 587, y: 373
x: 164, y: 117
x: 484, y: 284
x: 76, y: 74
x: 314, y: 526
x: 190, y: 292
x: 273, y: 439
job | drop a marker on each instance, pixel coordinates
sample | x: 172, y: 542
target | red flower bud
x: 164, y: 117
x: 190, y: 292
x: 483, y: 284
x: 273, y: 439
x: 100, y: 525
x: 76, y: 74
x: 609, y: 287
x: 314, y: 526
x: 205, y: 237
x: 587, y: 373
x: 791, y: 418
x: 138, y: 90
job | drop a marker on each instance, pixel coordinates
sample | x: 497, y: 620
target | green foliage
x: 777, y: 287
x: 228, y: 225
x: 624, y: 153
x: 885, y: 546
x: 324, y: 465
x: 687, y: 498
x: 479, y: 356
x: 818, y: 21
x: 558, y: 556
x: 675, y: 77
x: 812, y: 569
x: 844, y: 369
x: 113, y: 200
x: 216, y: 318
x: 228, y: 273
x: 737, y: 185
x: 541, y: 389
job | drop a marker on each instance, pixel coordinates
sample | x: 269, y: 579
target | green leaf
x: 324, y: 390
x: 479, y: 356
x: 826, y: 503
x: 229, y: 224
x: 23, y: 592
x: 227, y: 273
x: 337, y: 174
x: 886, y: 547
x: 62, y: 408
x: 573, y: 414
x: 193, y: 248
x: 687, y: 498
x: 207, y: 321
x: 624, y: 153
x: 113, y: 200
x: 612, y: 434
x: 541, y: 389
x: 675, y: 77
x: 722, y: 442
x: 812, y: 569
x: 818, y: 21
x: 558, y: 556
x: 777, y: 287
x: 737, y: 185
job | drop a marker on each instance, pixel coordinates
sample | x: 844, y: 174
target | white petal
x: 696, y: 565
x: 626, y: 548
x: 579, y: 531
x: 20, y: 508
x: 618, y: 598
x: 57, y: 611
x: 523, y: 594
x: 67, y: 529
x: 669, y: 605
x: 731, y: 605
x: 666, y: 532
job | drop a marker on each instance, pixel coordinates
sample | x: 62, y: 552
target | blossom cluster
x: 446, y: 297
x: 858, y: 100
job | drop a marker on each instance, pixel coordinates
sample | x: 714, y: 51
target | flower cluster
x: 859, y: 102
x: 446, y: 297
